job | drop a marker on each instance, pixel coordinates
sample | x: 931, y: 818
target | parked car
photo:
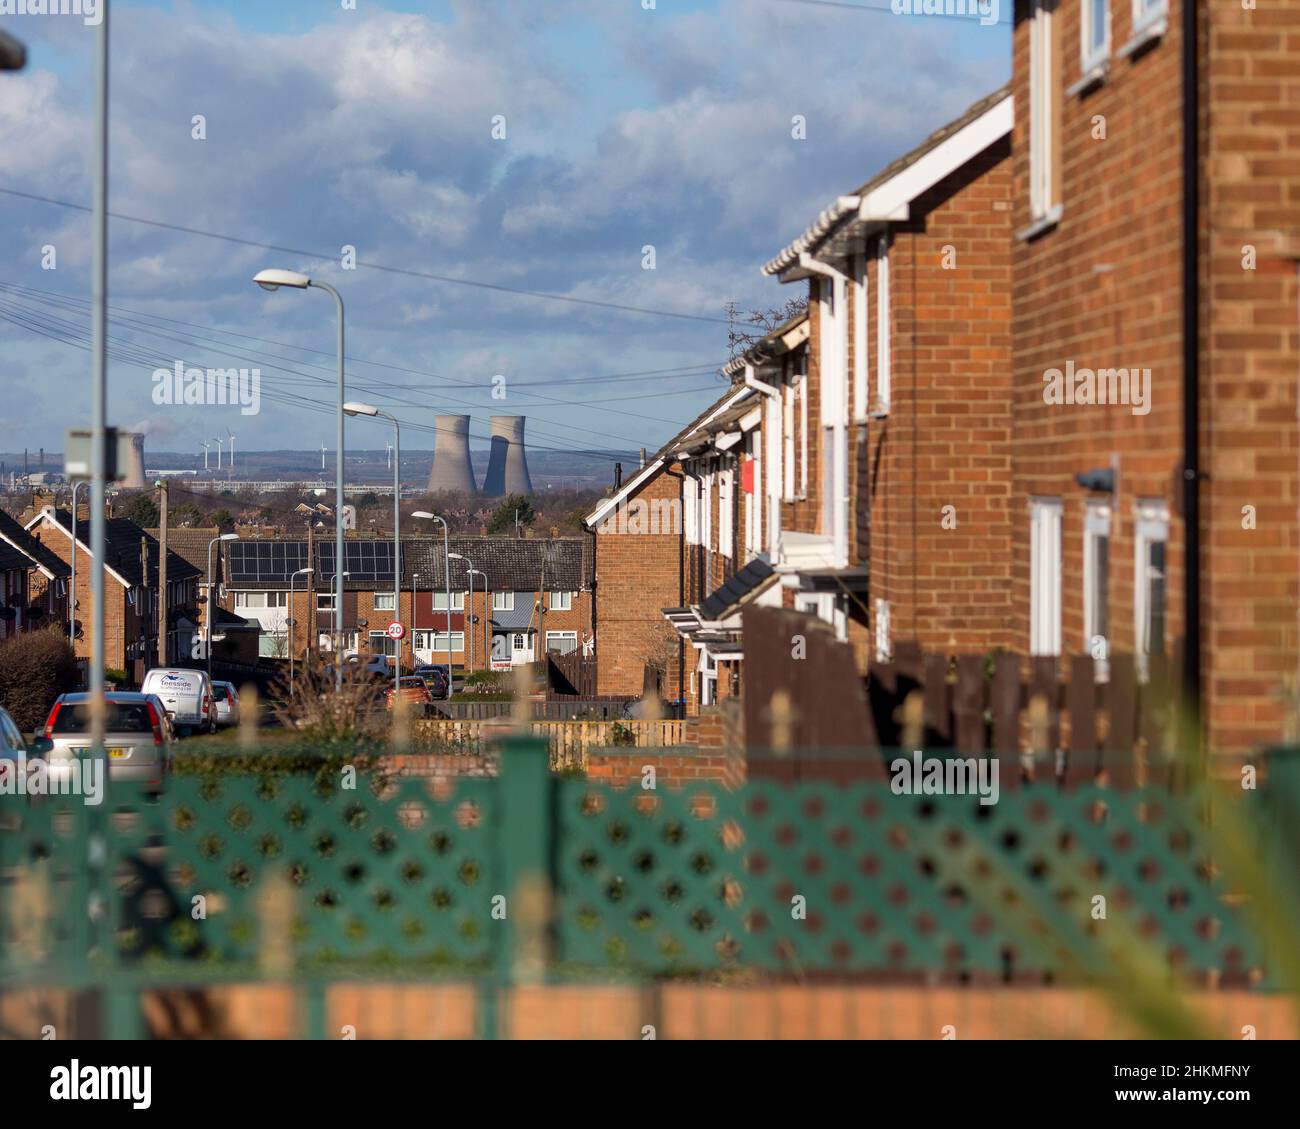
x: 12, y: 745
x: 436, y: 677
x: 187, y: 696
x: 413, y: 689
x: 137, y: 736
x: 225, y: 701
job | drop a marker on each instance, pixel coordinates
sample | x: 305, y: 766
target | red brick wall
x: 637, y: 576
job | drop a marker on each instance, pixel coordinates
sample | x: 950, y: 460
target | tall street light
x: 72, y: 599
x: 446, y: 574
x: 223, y: 537
x: 356, y: 408
x: 292, y: 621
x: 273, y: 280
x: 470, y: 571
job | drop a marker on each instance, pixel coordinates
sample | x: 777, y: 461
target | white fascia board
x: 45, y: 519
x: 753, y: 419
x: 35, y: 563
x: 884, y: 201
x: 829, y: 219
x: 631, y: 485
x: 727, y: 441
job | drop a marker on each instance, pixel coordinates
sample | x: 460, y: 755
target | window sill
x: 880, y: 411
x: 1149, y: 32
x: 1093, y: 77
x: 1044, y: 223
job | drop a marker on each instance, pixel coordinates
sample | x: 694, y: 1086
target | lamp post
x: 470, y: 570
x: 208, y: 625
x: 273, y: 280
x: 292, y: 620
x: 72, y: 598
x: 446, y: 574
x: 356, y: 408
x: 336, y: 583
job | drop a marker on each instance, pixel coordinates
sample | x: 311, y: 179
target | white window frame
x: 1042, y: 119
x: 562, y: 635
x: 440, y: 641
x: 502, y: 601
x: 389, y: 604
x: 328, y: 597
x: 861, y: 392
x: 706, y: 513
x: 726, y: 503
x: 1096, y: 525
x: 884, y: 639
x: 1151, y: 527
x: 788, y: 438
x: 560, y: 601
x: 381, y: 644
x: 1147, y: 13
x: 1045, y: 518
x: 457, y: 601
x: 884, y: 383
x: 1093, y: 57
x: 691, y: 509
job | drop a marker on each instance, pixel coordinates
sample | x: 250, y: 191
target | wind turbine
x: 206, y: 448
x: 218, y: 442
x: 322, y: 456
x: 389, y: 447
x: 232, y: 450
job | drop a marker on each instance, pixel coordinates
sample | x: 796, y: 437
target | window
x: 883, y: 385
x: 707, y: 513
x: 1151, y: 540
x: 440, y: 641
x: 273, y: 645
x: 1148, y: 14
x: 381, y: 644
x: 691, y: 509
x: 725, y: 503
x: 861, y: 408
x: 561, y: 602
x: 324, y: 601
x: 458, y: 601
x: 385, y: 601
x: 503, y: 601
x: 1096, y: 584
x: 884, y: 649
x: 1094, y: 27
x: 1045, y: 576
x: 561, y: 642
x: 1042, y: 111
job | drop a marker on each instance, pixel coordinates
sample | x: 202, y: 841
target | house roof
x: 884, y: 198
x: 29, y: 544
x: 741, y: 584
x: 733, y: 395
x: 783, y: 339
x: 190, y: 544
x: 11, y: 560
x: 510, y: 563
x: 122, y: 549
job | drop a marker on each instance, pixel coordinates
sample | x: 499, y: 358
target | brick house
x: 130, y: 584
x: 234, y: 638
x: 1156, y: 345
x: 35, y: 585
x: 903, y: 528
x: 539, y: 591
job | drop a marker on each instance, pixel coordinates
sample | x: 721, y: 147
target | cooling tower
x: 452, y: 469
x: 134, y: 476
x: 507, y: 465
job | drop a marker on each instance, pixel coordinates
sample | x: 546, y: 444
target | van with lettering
x: 187, y: 696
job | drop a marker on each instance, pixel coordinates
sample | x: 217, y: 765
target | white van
x: 187, y: 694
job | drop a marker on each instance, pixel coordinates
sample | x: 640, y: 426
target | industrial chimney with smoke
x: 452, y: 468
x: 507, y: 465
x: 134, y: 476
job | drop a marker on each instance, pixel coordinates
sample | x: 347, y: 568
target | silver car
x: 225, y: 703
x: 138, y: 736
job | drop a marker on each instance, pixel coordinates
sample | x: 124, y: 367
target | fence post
x: 526, y: 828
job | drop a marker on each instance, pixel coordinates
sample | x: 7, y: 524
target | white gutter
x: 843, y: 208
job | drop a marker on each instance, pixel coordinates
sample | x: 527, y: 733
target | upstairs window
x: 1094, y: 48
x: 1043, y: 128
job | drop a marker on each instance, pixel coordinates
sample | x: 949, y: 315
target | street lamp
x: 292, y: 621
x: 470, y: 570
x: 208, y: 625
x: 356, y: 408
x: 446, y: 573
x: 273, y: 280
x: 72, y: 600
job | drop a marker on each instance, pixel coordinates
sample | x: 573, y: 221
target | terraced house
x: 1156, y: 344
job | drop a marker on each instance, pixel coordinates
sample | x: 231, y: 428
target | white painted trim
x: 45, y: 519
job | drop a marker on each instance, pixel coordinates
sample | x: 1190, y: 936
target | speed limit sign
x: 396, y: 630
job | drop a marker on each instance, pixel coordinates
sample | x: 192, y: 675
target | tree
x: 744, y: 330
x: 223, y: 520
x: 514, y: 508
x: 142, y: 510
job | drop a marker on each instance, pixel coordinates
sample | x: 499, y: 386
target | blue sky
x: 372, y: 127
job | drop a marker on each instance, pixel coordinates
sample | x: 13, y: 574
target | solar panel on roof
x: 271, y: 561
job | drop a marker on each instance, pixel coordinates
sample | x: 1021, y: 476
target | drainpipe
x: 1191, y: 367
x: 770, y: 514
